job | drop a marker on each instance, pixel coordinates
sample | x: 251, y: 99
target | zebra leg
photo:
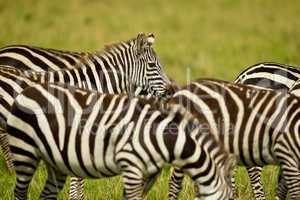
x: 255, y: 180
x: 282, y: 190
x: 76, y: 189
x: 289, y: 166
x: 25, y: 167
x: 6, y: 151
x: 175, y: 183
x: 133, y: 184
x: 55, y: 182
x: 291, y: 175
x: 149, y: 183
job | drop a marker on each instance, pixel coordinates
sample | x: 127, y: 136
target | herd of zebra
x: 115, y: 112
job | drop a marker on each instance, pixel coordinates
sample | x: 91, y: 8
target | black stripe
x: 54, y: 60
x: 29, y: 56
x: 266, y: 83
x: 9, y: 61
x: 281, y: 72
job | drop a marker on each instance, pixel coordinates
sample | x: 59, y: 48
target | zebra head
x: 219, y: 188
x: 150, y: 77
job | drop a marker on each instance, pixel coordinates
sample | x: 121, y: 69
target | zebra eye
x: 151, y: 63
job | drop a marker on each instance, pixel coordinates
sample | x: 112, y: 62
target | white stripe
x: 99, y: 139
x: 60, y: 76
x: 115, y: 73
x: 250, y: 122
x: 72, y: 155
x: 258, y: 131
x: 274, y: 77
x: 95, y: 74
x: 120, y: 69
x: 63, y: 60
x: 237, y: 125
x: 24, y: 60
x: 114, y: 134
x: 125, y: 120
x: 43, y: 125
x: 85, y: 137
x: 160, y: 135
x: 71, y: 78
x: 12, y: 83
x: 267, y: 154
x: 79, y: 84
x: 206, y: 111
x: 59, y: 114
x: 181, y: 140
x: 223, y: 107
x: 42, y: 58
x: 87, y: 78
x: 136, y: 135
x: 156, y: 156
x: 106, y: 75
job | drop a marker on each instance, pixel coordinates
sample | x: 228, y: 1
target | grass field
x: 195, y: 39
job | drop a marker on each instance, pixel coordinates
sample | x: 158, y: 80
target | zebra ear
x: 144, y: 41
x: 150, y: 39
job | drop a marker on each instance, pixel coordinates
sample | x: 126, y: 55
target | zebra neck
x: 111, y: 68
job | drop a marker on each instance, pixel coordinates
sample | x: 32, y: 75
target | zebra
x: 134, y: 137
x: 258, y: 126
x: 274, y: 76
x: 132, y: 63
x: 130, y: 67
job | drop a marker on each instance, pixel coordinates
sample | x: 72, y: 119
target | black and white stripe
x: 274, y: 76
x: 260, y: 127
x: 39, y: 59
x: 270, y: 75
x: 126, y: 67
x: 123, y: 135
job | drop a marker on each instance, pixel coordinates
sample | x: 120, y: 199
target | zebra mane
x: 167, y: 107
x: 87, y: 57
x: 113, y: 46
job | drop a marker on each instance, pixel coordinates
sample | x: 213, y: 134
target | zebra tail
x: 6, y: 151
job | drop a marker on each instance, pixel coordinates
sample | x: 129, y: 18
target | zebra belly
x: 79, y: 161
x: 250, y: 151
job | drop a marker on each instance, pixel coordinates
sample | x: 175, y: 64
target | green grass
x: 195, y: 39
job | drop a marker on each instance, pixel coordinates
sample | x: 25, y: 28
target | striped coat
x: 259, y: 126
x: 276, y: 76
x: 88, y: 134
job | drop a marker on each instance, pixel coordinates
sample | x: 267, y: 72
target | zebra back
x: 39, y: 59
x: 270, y: 75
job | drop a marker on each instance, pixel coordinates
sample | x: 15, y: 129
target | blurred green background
x: 194, y: 39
